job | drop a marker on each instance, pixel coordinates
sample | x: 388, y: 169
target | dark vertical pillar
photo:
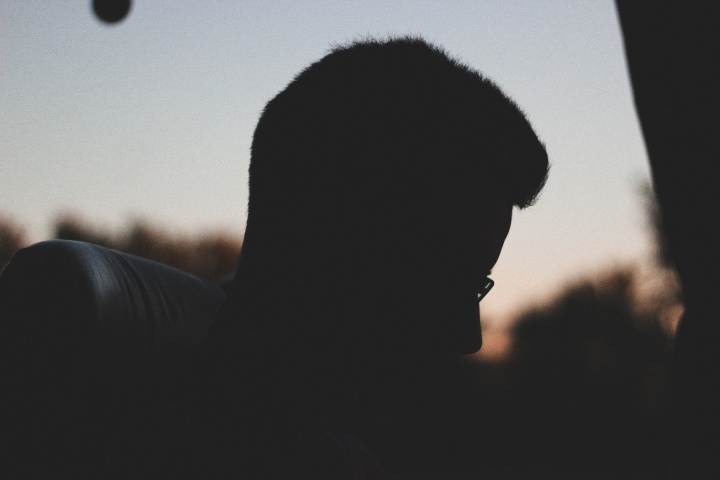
x: 673, y: 55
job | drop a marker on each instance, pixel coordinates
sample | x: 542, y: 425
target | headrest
x: 63, y: 288
x: 88, y: 338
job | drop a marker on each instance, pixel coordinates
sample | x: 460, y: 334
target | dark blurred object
x: 111, y: 11
x: 87, y: 337
x: 672, y: 50
x: 12, y: 239
x: 655, y: 222
x: 70, y: 227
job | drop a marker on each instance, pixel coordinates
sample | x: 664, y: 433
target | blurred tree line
x: 584, y: 391
x: 12, y: 239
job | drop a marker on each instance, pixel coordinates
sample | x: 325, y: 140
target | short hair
x: 378, y: 127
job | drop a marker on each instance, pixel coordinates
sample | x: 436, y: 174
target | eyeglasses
x: 485, y: 289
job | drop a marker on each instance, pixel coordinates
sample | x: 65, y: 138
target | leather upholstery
x: 135, y: 304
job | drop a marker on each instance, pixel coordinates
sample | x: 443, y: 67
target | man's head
x: 382, y: 182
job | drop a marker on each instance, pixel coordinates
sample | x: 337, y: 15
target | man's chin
x: 467, y: 343
x: 464, y: 335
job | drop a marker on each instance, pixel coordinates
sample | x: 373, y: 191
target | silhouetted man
x: 382, y: 183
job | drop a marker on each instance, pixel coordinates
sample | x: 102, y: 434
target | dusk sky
x: 153, y: 118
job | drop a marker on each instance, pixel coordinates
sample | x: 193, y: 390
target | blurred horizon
x: 151, y: 120
x: 653, y: 289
